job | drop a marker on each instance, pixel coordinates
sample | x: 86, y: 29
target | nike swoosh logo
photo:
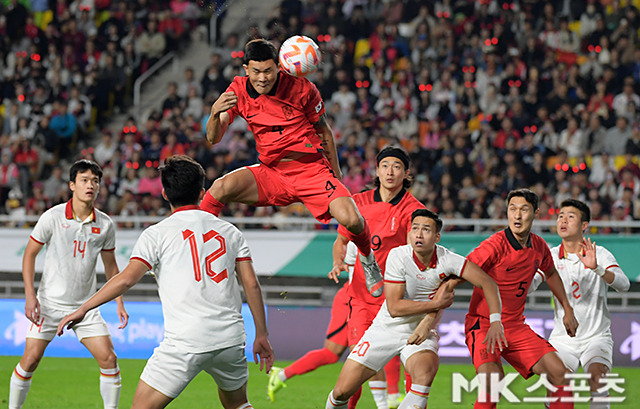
x: 251, y: 116
x: 510, y: 268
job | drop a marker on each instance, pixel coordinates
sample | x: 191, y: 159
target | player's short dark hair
x: 400, y: 154
x: 585, y: 213
x: 182, y: 179
x: 528, y: 195
x: 431, y: 215
x: 82, y: 166
x: 260, y: 50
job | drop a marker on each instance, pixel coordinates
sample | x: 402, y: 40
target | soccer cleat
x: 394, y: 400
x: 372, y: 274
x: 275, y: 384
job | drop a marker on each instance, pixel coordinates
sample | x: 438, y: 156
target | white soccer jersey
x: 421, y: 282
x: 193, y: 255
x: 587, y: 294
x: 73, y: 247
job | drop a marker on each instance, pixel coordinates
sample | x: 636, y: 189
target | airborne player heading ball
x: 298, y: 158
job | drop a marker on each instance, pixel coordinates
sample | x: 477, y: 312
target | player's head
x: 425, y: 230
x: 261, y: 65
x: 573, y: 218
x: 522, y: 208
x: 392, y: 168
x: 84, y: 180
x: 182, y: 180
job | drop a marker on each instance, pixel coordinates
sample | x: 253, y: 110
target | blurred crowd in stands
x: 486, y: 95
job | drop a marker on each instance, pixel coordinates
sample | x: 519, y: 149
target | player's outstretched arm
x: 113, y: 288
x: 328, y: 143
x: 338, y: 254
x: 32, y: 305
x: 110, y: 270
x: 261, y: 346
x: 613, y: 276
x: 495, y: 335
x: 557, y: 288
x: 219, y: 120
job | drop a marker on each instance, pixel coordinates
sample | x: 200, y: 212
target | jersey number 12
x: 208, y: 261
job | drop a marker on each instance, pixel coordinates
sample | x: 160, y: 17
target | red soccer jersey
x: 389, y: 224
x: 512, y: 267
x: 282, y: 120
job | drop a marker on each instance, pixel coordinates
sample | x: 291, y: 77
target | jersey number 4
x: 208, y: 261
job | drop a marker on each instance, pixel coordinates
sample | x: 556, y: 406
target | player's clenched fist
x: 225, y: 102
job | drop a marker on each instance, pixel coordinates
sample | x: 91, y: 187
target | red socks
x: 392, y: 372
x: 211, y: 204
x: 310, y: 361
x: 362, y: 240
x: 562, y: 392
x: 353, y: 401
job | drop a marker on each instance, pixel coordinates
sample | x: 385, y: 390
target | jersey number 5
x: 208, y: 261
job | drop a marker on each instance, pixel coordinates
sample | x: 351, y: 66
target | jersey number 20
x: 208, y: 261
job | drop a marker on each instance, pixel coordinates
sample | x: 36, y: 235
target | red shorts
x: 524, y: 350
x: 360, y: 319
x: 308, y: 179
x: 337, y: 330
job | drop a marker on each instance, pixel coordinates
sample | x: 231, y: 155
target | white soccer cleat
x: 372, y: 274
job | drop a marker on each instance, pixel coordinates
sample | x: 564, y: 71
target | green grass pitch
x: 72, y: 383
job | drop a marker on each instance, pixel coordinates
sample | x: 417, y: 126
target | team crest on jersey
x: 288, y: 112
x: 318, y: 107
x: 65, y: 225
x: 420, y: 276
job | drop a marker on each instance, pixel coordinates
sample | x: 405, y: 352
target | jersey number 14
x: 208, y: 261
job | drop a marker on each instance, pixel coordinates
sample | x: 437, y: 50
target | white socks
x: 110, y: 384
x: 245, y: 406
x: 282, y: 376
x: 336, y: 404
x: 416, y: 398
x: 19, y: 387
x: 599, y: 405
x: 379, y: 392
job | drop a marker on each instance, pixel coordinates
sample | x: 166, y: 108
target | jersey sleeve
x: 484, y: 255
x: 608, y: 261
x: 547, y: 260
x: 352, y: 253
x: 454, y: 263
x: 146, y: 250
x: 110, y: 240
x: 313, y: 106
x: 43, y: 228
x: 538, y: 278
x: 394, y: 271
x: 244, y: 253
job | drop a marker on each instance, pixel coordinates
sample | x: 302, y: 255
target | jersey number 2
x: 208, y: 261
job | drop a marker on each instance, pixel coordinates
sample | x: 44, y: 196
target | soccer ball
x: 299, y: 56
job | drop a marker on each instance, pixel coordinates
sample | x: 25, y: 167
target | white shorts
x: 378, y: 345
x: 170, y: 370
x: 92, y: 325
x: 584, y: 353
